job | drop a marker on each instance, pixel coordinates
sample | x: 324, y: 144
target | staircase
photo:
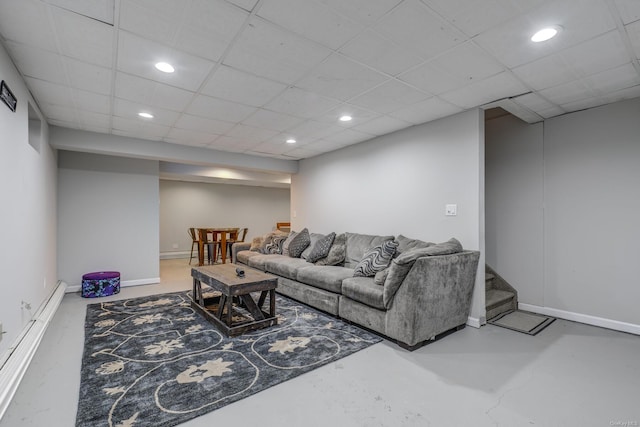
x: 499, y: 295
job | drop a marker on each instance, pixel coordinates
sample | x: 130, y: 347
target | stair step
x: 488, y: 281
x: 496, y: 297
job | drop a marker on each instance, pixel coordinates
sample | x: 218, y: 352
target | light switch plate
x: 451, y: 210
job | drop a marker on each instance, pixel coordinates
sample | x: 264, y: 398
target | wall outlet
x: 451, y: 210
x: 1, y: 331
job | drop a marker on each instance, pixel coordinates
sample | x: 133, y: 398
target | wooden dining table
x: 218, y: 235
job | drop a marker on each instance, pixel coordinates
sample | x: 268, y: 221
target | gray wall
x: 28, y: 213
x: 108, y: 217
x: 399, y: 184
x: 194, y: 204
x: 586, y: 166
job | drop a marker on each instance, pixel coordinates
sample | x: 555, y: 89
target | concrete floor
x: 568, y: 375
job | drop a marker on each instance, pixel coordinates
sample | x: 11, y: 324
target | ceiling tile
x: 382, y: 125
x: 311, y: 20
x: 458, y: 67
x: 200, y: 124
x: 633, y: 30
x: 365, y: 12
x: 534, y: 102
x: 83, y: 38
x: 339, y: 77
x: 206, y: 106
x: 568, y: 92
x: 389, y: 97
x: 510, y: 42
x: 474, y: 17
x: 199, y: 27
x: 348, y: 137
x: 629, y: 10
x: 149, y: 92
x: 135, y: 128
x: 380, y: 53
x: 91, y: 102
x: 61, y: 113
x: 235, y: 85
x: 129, y: 111
x: 312, y: 130
x: 94, y: 121
x: 234, y: 144
x: 37, y: 63
x: 89, y: 77
x: 425, y: 111
x: 247, y: 5
x: 301, y: 103
x: 251, y: 134
x: 272, y: 120
x: 190, y: 137
x: 138, y: 56
x: 100, y: 10
x: 358, y: 115
x: 575, y: 62
x: 302, y: 152
x: 613, y: 80
x: 50, y: 93
x: 27, y: 21
x: 501, y: 85
x: 269, y: 51
x: 419, y: 29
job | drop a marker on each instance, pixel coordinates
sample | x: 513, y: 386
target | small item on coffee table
x: 239, y: 272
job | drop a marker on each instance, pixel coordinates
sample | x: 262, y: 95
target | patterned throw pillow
x: 321, y: 248
x: 337, y: 252
x: 299, y: 243
x: 286, y: 243
x: 377, y: 259
x: 275, y: 246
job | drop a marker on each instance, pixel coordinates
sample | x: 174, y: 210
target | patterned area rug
x: 154, y: 361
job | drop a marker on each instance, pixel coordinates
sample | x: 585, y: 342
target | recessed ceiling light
x: 345, y: 118
x: 291, y: 141
x: 146, y: 115
x: 546, y: 34
x: 165, y: 67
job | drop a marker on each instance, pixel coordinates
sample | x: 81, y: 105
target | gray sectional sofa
x: 424, y: 292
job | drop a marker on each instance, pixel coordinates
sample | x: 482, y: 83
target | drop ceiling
x: 250, y: 74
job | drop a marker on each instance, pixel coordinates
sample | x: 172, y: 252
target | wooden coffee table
x: 235, y: 293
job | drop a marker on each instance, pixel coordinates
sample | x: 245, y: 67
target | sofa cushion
x: 299, y: 243
x: 377, y: 259
x: 405, y: 243
x: 336, y: 252
x: 358, y: 245
x: 381, y: 277
x: 325, y: 277
x: 313, y: 239
x: 259, y: 260
x: 363, y: 290
x: 243, y: 256
x: 321, y: 248
x: 284, y: 266
x: 287, y: 242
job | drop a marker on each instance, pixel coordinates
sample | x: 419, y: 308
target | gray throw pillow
x: 286, y: 243
x: 321, y: 248
x: 337, y: 252
x: 314, y: 239
x: 377, y: 259
x: 299, y: 243
x: 381, y: 277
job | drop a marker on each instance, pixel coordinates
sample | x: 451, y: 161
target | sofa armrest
x: 434, y: 297
x: 237, y: 247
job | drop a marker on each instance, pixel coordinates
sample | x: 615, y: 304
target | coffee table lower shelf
x: 240, y: 322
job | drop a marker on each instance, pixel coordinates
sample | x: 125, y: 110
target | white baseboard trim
x: 19, y: 356
x: 475, y: 322
x: 583, y: 318
x: 123, y: 284
x: 174, y: 255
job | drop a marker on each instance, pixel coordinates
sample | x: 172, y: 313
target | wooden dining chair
x: 242, y: 233
x: 283, y: 226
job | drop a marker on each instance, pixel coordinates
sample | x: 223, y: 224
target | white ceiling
x: 252, y: 73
